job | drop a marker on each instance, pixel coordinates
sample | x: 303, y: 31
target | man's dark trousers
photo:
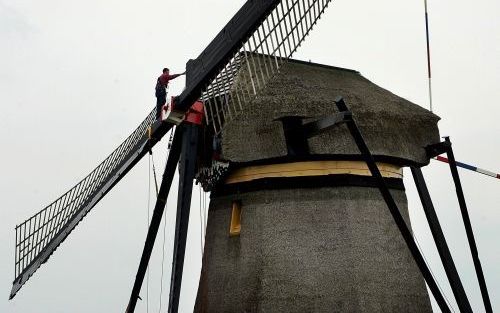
x: 160, y: 102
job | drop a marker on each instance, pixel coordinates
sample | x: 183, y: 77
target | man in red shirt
x: 161, y: 89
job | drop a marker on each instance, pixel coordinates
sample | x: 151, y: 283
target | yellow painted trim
x: 310, y: 168
x: 235, y: 228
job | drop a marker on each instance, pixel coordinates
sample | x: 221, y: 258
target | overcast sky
x: 78, y: 76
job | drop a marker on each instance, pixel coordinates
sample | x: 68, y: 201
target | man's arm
x: 170, y: 77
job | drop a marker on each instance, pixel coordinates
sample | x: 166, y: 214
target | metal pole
x: 391, y: 204
x: 468, y: 227
x: 439, y: 239
x: 187, y: 168
x: 161, y: 201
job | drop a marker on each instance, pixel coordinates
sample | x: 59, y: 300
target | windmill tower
x: 301, y: 226
x: 295, y: 222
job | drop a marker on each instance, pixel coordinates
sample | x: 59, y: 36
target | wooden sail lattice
x: 41, y: 234
x: 271, y: 36
x: 259, y: 58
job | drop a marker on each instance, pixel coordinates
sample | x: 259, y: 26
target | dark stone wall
x: 309, y: 250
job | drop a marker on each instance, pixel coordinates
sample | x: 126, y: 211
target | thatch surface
x: 391, y: 125
x: 309, y: 250
x: 330, y: 249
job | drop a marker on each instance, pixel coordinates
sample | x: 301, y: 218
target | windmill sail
x: 40, y: 235
x: 259, y: 58
x: 268, y: 29
x: 261, y: 36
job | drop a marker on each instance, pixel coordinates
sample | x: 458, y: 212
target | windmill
x: 209, y: 78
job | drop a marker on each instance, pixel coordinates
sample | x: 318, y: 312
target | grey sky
x: 78, y: 76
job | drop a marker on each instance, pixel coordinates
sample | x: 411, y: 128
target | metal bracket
x: 297, y: 133
x: 445, y: 147
x: 436, y: 149
x: 296, y: 141
x: 439, y: 239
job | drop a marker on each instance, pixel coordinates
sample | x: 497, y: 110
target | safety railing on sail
x: 33, y: 235
x: 259, y: 59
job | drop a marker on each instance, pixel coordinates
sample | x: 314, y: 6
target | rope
x: 164, y: 224
x: 147, y: 223
x: 428, y: 55
x: 154, y: 173
x: 152, y: 165
x: 203, y: 227
x: 163, y: 257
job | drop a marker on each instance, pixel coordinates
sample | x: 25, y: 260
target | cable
x: 433, y: 276
x: 164, y: 229
x: 154, y: 173
x: 163, y: 258
x: 147, y: 223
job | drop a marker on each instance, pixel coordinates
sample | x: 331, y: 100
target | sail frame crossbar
x: 259, y: 59
x: 36, y: 237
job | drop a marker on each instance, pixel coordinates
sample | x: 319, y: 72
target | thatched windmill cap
x: 395, y: 129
